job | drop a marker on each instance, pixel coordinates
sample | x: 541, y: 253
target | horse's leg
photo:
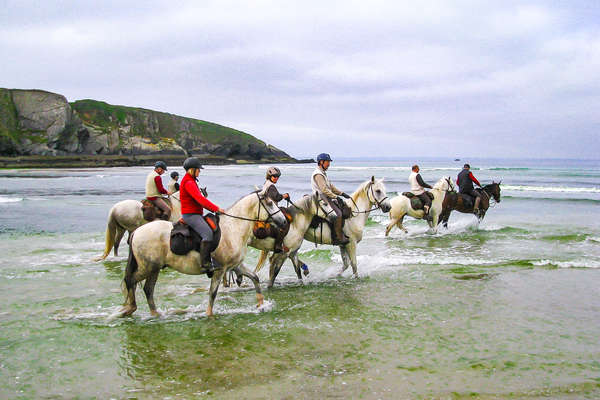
x: 276, y: 262
x: 238, y: 276
x: 345, y: 258
x: 118, y: 238
x: 215, y: 281
x: 130, y: 281
x: 149, y: 291
x: 399, y: 224
x: 390, y: 226
x: 296, y: 263
x: 352, y: 253
x: 254, y: 278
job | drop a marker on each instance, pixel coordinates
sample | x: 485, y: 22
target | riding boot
x: 476, y: 206
x: 338, y: 234
x: 205, y: 247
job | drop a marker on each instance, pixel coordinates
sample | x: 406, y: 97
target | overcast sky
x: 365, y: 78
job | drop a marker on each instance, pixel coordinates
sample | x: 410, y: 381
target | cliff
x: 41, y: 124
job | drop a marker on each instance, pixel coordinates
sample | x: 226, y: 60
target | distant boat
x: 457, y: 159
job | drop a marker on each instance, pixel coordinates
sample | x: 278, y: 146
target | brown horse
x: 464, y: 204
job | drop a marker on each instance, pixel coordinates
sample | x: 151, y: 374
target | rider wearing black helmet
x: 328, y: 193
x: 465, y: 182
x: 154, y: 189
x: 173, y: 184
x: 270, y: 190
x: 193, y: 204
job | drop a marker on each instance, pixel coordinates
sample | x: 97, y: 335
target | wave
x: 507, y: 169
x: 6, y: 199
x: 592, y: 201
x: 559, y: 189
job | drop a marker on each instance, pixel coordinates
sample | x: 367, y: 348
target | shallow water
x: 509, y: 308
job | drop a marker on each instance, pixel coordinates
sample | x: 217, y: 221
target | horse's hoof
x: 239, y: 281
x: 126, y: 311
x: 260, y: 298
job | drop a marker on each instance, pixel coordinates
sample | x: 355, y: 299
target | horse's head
x: 494, y: 190
x: 269, y: 211
x: 445, y: 184
x: 377, y: 194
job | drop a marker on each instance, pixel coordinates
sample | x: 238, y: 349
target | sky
x: 509, y: 79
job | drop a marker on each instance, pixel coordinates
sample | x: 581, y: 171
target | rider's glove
x: 346, y: 195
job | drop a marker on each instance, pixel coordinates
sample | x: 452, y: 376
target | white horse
x: 150, y: 251
x: 302, y: 213
x: 369, y: 196
x: 401, y: 206
x: 127, y: 216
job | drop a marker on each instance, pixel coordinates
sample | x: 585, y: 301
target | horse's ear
x: 373, y: 179
x: 500, y: 182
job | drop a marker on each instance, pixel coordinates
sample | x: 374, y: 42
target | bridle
x: 378, y: 202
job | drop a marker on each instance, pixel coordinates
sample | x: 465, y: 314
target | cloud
x: 428, y: 78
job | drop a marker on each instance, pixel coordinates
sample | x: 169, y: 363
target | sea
x: 505, y: 308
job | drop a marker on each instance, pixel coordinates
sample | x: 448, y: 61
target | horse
x: 302, y: 212
x: 401, y: 206
x: 150, y: 251
x: 370, y: 193
x: 456, y: 201
x: 127, y: 216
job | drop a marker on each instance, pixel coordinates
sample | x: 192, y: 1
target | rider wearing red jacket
x: 193, y: 204
x: 465, y: 182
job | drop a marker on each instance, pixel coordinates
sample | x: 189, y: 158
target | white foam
x: 558, y: 189
x: 569, y: 264
x: 6, y: 199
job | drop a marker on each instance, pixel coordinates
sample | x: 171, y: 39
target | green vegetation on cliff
x: 39, y: 123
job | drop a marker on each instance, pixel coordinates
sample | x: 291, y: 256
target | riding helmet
x: 324, y: 157
x: 174, y: 174
x: 192, y: 162
x: 160, y: 164
x: 273, y: 171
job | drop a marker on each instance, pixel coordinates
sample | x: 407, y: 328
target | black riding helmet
x: 192, y: 162
x: 174, y: 174
x: 160, y: 164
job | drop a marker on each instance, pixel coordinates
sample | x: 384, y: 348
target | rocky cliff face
x: 35, y: 122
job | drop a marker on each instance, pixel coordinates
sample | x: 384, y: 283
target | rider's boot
x: 338, y: 234
x: 476, y: 206
x: 205, y: 247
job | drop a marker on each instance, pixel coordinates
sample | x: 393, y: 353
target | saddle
x: 415, y: 201
x: 263, y: 230
x: 184, y: 239
x: 151, y: 212
x: 346, y: 214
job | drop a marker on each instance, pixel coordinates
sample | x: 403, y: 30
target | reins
x: 258, y: 213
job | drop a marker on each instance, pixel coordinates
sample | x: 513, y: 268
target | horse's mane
x: 360, y: 188
x: 303, y: 203
x: 440, y: 182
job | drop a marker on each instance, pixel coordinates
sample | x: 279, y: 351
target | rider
x: 328, y: 193
x: 192, y: 208
x: 173, y: 184
x: 417, y: 187
x: 465, y: 181
x: 154, y: 189
x: 269, y: 189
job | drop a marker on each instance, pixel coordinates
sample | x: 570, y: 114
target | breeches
x: 425, y: 199
x: 197, y: 222
x: 160, y: 203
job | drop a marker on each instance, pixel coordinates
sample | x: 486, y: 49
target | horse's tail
x: 132, y: 267
x: 111, y: 232
x: 261, y: 260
